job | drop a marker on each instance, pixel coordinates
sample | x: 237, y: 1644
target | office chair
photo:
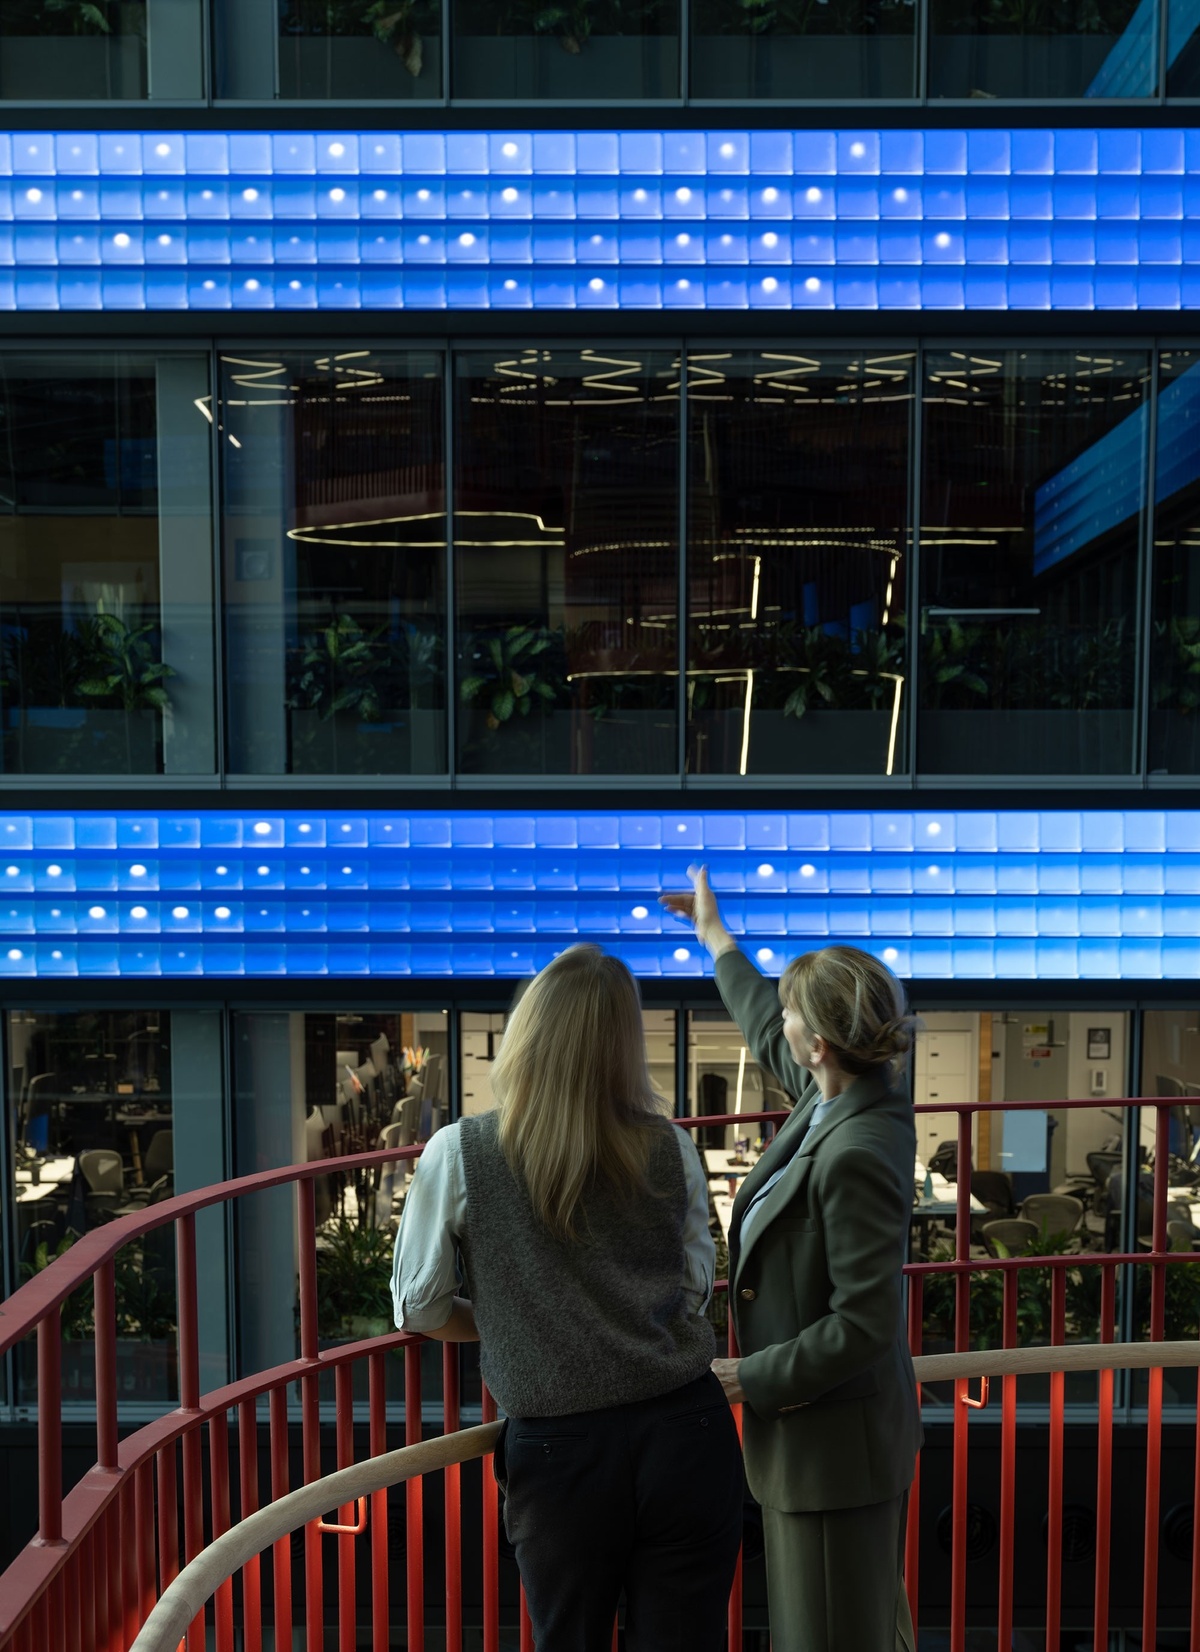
x: 944, y: 1161
x: 1052, y: 1212
x: 1182, y: 1235
x: 104, y: 1175
x: 1167, y: 1086
x: 159, y: 1158
x: 389, y: 1176
x: 994, y: 1189
x: 410, y: 1114
x: 1013, y: 1232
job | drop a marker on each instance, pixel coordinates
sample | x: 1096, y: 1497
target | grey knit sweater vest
x: 567, y: 1327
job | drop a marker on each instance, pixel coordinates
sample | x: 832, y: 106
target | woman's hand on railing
x: 701, y: 911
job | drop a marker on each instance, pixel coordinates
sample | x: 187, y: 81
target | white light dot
x: 770, y: 239
x: 639, y: 194
x: 764, y: 954
x: 727, y: 151
x: 249, y: 195
x: 681, y: 952
x: 294, y: 285
x: 683, y: 240
x: 466, y: 239
x: 379, y: 195
x: 510, y: 285
x: 97, y: 912
x: 164, y: 240
x: 766, y: 870
x: 34, y: 195
x: 263, y: 870
x: 54, y: 871
x: 121, y: 239
x: 55, y: 912
x: 262, y: 912
x: 162, y: 148
x: 683, y: 194
x: 77, y: 195
x: 304, y: 871
x: 509, y: 194
x: 12, y: 871
x: 813, y: 194
x: 206, y: 194
x: 769, y: 284
x: 890, y: 955
x: 345, y: 828
x: 899, y: 195
x: 337, y: 150
x: 179, y: 912
x: 858, y: 150
x: 942, y: 240
x: 596, y: 284
x: 15, y: 953
x: 813, y: 284
x: 423, y: 240
x: 933, y: 871
x: 346, y: 871
x: 137, y: 870
x: 209, y: 285
x: 934, y: 828
x: 137, y: 912
x: 422, y: 195
x: 221, y: 871
x: 597, y: 240
x: 508, y: 150
x: 252, y: 285
x: 683, y: 284
x: 337, y: 194
x: 807, y: 871
x: 261, y: 828
x: 56, y: 954
x: 641, y: 912
x: 770, y: 195
x: 305, y: 828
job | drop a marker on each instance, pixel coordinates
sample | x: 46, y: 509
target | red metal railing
x: 104, y: 1551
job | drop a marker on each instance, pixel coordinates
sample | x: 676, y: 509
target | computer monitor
x: 379, y: 1053
x: 1167, y: 1086
x: 408, y: 1120
x: 347, y: 1058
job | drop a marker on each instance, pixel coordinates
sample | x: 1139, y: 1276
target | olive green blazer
x: 831, y: 1419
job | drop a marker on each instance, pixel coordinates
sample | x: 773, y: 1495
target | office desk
x: 54, y: 1175
x: 133, y: 1122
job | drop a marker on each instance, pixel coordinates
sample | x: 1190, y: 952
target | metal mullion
x: 451, y: 580
x: 681, y: 1062
x: 447, y: 49
x: 1162, y: 34
x: 1127, y: 1241
x: 216, y: 497
x: 685, y: 50
x: 1144, y: 603
x: 681, y: 649
x: 913, y: 582
x: 8, y: 1225
x: 922, y: 25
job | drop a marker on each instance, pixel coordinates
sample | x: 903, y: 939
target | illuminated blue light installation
x: 1017, y: 894
x: 1016, y: 219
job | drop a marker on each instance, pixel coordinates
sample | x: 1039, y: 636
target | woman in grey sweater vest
x: 567, y: 1232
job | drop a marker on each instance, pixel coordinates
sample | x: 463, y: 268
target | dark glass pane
x: 803, y: 49
x: 83, y: 49
x: 566, y: 538
x: 798, y: 520
x: 91, y: 1099
x: 1175, y: 632
x: 360, y: 49
x: 330, y: 1086
x: 617, y: 49
x: 335, y: 562
x: 105, y: 565
x: 1042, y: 49
x: 1032, y: 498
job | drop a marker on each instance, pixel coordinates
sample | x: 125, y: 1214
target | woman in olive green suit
x: 817, y: 1243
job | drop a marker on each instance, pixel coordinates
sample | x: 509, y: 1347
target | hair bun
x: 894, y: 1039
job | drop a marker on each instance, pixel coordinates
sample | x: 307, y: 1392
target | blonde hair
x: 854, y: 1003
x: 572, y: 1086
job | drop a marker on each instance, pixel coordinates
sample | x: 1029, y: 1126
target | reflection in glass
x: 1174, y: 746
x: 105, y: 565
x: 1033, y: 490
x: 1042, y: 49
x: 621, y: 50
x: 566, y: 538
x: 798, y: 522
x: 64, y: 50
x: 335, y: 562
x: 91, y: 1097
x: 803, y: 48
x: 360, y: 49
x: 329, y: 1086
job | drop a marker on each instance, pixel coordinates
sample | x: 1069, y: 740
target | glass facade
x: 74, y: 50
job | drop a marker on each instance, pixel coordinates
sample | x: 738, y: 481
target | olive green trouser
x: 835, y: 1580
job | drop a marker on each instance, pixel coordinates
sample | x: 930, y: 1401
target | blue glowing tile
x: 597, y: 152
x: 591, y: 246
x: 811, y: 919
x: 78, y: 199
x: 989, y: 152
x: 513, y: 244
x: 249, y: 152
x: 779, y: 202
x: 974, y: 959
x: 556, y: 245
x: 813, y: 201
x: 855, y: 292
x: 207, y: 199
x: 1098, y: 959
x: 509, y: 200
x: 814, y: 152
x: 1074, y: 198
x: 424, y: 245
x: 293, y: 152
x: 380, y: 153
x: 1032, y: 151
x: 1028, y: 292
x: 1030, y: 198
x: 553, y: 199
x: 120, y: 198
x: 37, y: 201
x: 38, y: 290
x: 1140, y: 959
x: 294, y: 198
x: 819, y: 248
x: 640, y: 199
x: 723, y: 152
x: 164, y: 199
x: 686, y: 293
x: 1160, y: 244
x: 426, y: 199
x: 771, y: 152
x: 1119, y: 151
x: 683, y: 247
x: 900, y: 200
x: 641, y: 152
x: 543, y: 153
x: 1116, y: 246
x: 1076, y: 151
x: 945, y: 200
x: 987, y: 198
x: 931, y: 960
x: 684, y: 152
x: 597, y: 199
x: 1158, y: 291
x: 899, y: 292
x: 34, y: 244
x: 945, y: 152
x: 682, y: 199
x: 381, y: 247
x: 251, y: 201
x: 1161, y: 198
x: 246, y: 246
x: 726, y: 201
x: 856, y: 198
x: 76, y: 154
x: 467, y: 246
x: 424, y: 290
x: 252, y: 293
x: 984, y: 290
x: 1182, y: 918
x: 988, y: 247
x: 424, y: 153
x: 296, y: 292
x: 1162, y: 150
x: 902, y: 152
x: 858, y: 152
x: 466, y: 152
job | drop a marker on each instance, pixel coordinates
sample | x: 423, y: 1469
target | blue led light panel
x: 1019, y: 219
x: 1010, y: 895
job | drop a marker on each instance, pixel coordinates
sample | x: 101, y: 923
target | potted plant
x: 360, y: 48
x: 804, y: 48
x: 354, y: 1270
x: 124, y: 676
x: 98, y: 50
x: 566, y: 49
x: 514, y: 680
x: 1175, y: 695
x: 1030, y: 48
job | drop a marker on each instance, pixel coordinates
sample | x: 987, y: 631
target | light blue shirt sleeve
x: 699, y: 1250
x: 425, y: 1277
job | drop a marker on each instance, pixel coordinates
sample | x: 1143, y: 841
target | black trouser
x: 645, y: 1498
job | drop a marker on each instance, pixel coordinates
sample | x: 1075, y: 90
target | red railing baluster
x: 414, y: 1507
x: 912, y: 1536
x: 1008, y: 1468
x: 1058, y: 1336
x: 453, y: 1500
x: 127, y: 1560
x: 958, y: 1498
x: 491, y: 1540
x: 1104, y: 1445
x: 87, y: 1594
x: 143, y: 1516
x: 105, y: 1313
x: 218, y: 1480
x: 189, y: 1400
x: 310, y: 1416
x: 49, y: 1390
x: 248, y: 1504
x: 347, y: 1604
x: 56, y: 1614
x: 380, y: 1588
x: 1158, y: 1306
x: 281, y: 1559
x: 1194, y: 1636
x: 526, y: 1623
x: 103, y: 1582
x: 735, y: 1592
x: 168, y: 1516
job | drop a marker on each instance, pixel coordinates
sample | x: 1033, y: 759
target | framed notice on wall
x: 1099, y: 1044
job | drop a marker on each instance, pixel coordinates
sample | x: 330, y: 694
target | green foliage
x: 345, y: 668
x: 1031, y: 17
x: 396, y: 23
x: 122, y: 665
x: 800, y: 669
x: 1176, y: 653
x: 759, y: 18
x: 573, y: 22
x: 1034, y: 1297
x: 1015, y: 665
x: 43, y: 665
x: 354, y: 1268
x: 145, y: 1303
x: 512, y: 671
x: 79, y: 16
x: 949, y: 665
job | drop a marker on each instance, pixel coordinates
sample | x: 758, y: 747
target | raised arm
x: 749, y: 996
